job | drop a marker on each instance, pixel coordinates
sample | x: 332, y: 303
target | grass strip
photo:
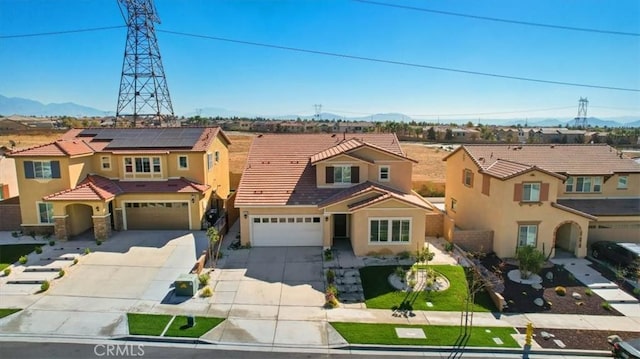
x: 8, y: 311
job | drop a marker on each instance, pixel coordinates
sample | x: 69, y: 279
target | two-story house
x: 548, y: 196
x: 316, y: 189
x: 123, y: 179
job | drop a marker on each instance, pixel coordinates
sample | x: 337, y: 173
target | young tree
x: 214, y: 236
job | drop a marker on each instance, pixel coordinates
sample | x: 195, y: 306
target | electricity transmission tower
x: 581, y: 119
x: 144, y: 95
x: 318, y: 112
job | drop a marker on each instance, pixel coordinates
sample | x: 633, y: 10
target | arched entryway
x: 79, y: 219
x: 567, y: 239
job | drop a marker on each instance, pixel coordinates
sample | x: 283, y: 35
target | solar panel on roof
x: 145, y: 138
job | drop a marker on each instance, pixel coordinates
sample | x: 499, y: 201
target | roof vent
x: 260, y: 135
x: 552, y: 146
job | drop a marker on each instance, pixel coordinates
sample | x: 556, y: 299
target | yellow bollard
x: 529, y: 334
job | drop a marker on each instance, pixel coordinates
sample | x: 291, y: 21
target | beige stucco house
x: 550, y: 196
x: 316, y: 190
x: 133, y: 178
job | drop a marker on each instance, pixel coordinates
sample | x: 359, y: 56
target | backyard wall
x: 434, y: 224
x: 10, y: 218
x: 474, y: 240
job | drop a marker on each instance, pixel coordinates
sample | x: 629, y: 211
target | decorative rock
x: 576, y: 296
x: 539, y: 302
x: 546, y: 335
x: 549, y: 276
x: 429, y: 304
x: 559, y: 343
x: 536, y: 286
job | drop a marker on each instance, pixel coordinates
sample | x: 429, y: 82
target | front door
x: 340, y: 226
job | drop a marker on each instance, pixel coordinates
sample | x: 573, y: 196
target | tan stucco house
x: 550, y: 196
x: 122, y: 179
x: 317, y: 189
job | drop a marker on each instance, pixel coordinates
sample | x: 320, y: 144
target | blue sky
x: 85, y: 67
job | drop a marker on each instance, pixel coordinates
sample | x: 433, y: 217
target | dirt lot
x: 428, y: 173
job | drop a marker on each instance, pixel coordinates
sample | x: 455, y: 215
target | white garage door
x: 269, y: 231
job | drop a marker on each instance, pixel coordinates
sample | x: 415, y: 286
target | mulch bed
x: 577, y: 338
x: 520, y: 297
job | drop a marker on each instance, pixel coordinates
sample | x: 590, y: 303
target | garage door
x: 157, y: 215
x: 286, y: 231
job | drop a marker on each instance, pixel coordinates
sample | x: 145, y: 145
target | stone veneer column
x: 102, y: 227
x: 118, y: 220
x: 61, y: 228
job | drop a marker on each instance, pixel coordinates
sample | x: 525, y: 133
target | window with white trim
x: 623, y: 182
x: 41, y: 169
x: 584, y: 184
x: 531, y: 192
x: 183, y: 162
x: 527, y: 235
x: 342, y: 174
x: 45, y: 212
x: 384, y: 173
x: 209, y: 161
x: 389, y: 230
x: 105, y: 162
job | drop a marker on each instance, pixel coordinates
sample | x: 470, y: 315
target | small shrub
x: 44, y: 286
x: 429, y: 282
x: 588, y: 292
x: 206, y: 292
x: 75, y: 261
x: 23, y: 260
x: 87, y: 250
x: 404, y: 255
x: 99, y: 242
x: 448, y: 247
x: 52, y: 243
x: 38, y: 250
x: 61, y: 273
x: 7, y: 271
x: 203, y: 279
x: 424, y: 255
x: 331, y: 276
x: 328, y: 254
x: 412, y: 283
x: 332, y: 289
x: 15, y: 234
x: 605, y: 305
x: 561, y: 291
x: 399, y: 272
x: 636, y: 291
x: 330, y: 301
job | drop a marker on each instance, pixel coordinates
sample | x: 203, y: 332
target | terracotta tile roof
x: 573, y: 210
x: 605, y: 206
x: 333, y: 151
x: 381, y: 193
x: 55, y: 149
x: 353, y: 191
x: 504, y: 169
x: 279, y: 171
x: 96, y: 187
x: 591, y: 159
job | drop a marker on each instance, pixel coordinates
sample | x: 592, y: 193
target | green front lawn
x: 10, y: 253
x: 5, y: 311
x: 154, y: 325
x: 379, y: 294
x: 437, y: 335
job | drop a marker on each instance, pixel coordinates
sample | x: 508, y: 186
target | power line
x: 494, y: 113
x: 401, y: 63
x: 62, y: 32
x: 509, y: 21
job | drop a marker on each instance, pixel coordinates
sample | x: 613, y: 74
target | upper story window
x: 467, y: 178
x: 384, y: 173
x: 42, y: 169
x: 342, y: 174
x: 45, y: 212
x: 454, y: 204
x: 217, y: 156
x: 140, y: 165
x: 183, y: 162
x: 531, y: 192
x: 623, y: 182
x: 105, y: 162
x: 209, y: 161
x: 527, y: 235
x: 584, y: 184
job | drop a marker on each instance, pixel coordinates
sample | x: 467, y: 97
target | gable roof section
x: 505, y: 169
x: 58, y: 148
x: 279, y: 171
x: 381, y: 192
x: 591, y: 159
x: 349, y: 147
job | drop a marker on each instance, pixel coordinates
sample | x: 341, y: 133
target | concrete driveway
x: 132, y: 271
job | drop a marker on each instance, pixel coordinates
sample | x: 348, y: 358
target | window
x: 584, y: 184
x: 383, y: 173
x: 45, y: 212
x: 622, y: 182
x: 467, y: 178
x: 342, y: 174
x: 217, y: 156
x: 531, y: 192
x: 527, y: 235
x: 42, y: 169
x: 105, y: 162
x: 183, y: 163
x: 209, y: 161
x: 454, y: 204
x: 142, y: 165
x: 389, y: 230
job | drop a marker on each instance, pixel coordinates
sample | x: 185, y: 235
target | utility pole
x: 143, y: 95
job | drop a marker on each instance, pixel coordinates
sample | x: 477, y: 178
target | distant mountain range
x: 26, y: 107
